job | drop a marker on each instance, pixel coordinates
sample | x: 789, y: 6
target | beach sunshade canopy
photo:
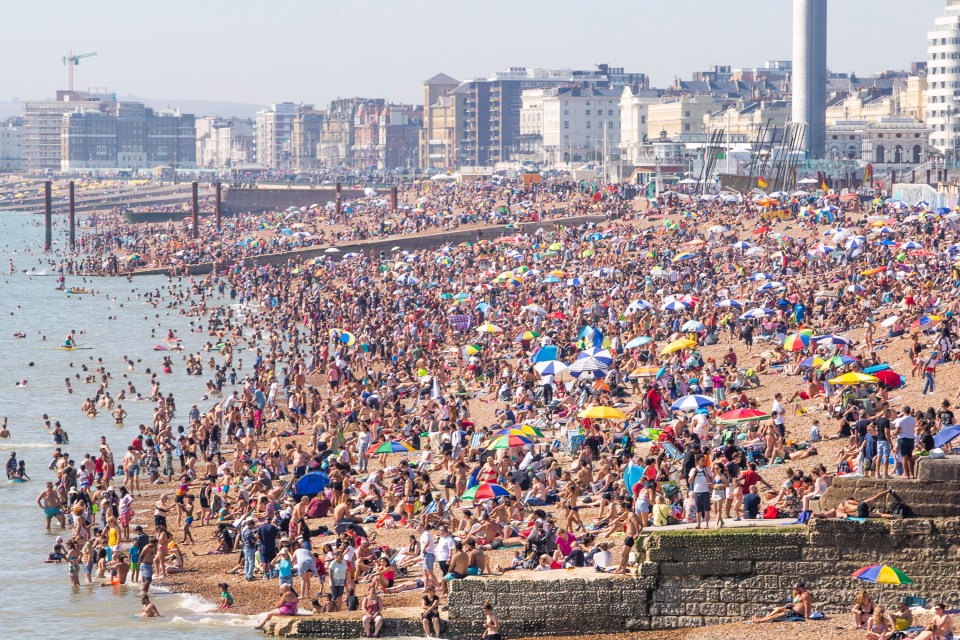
x: 590, y: 367
x: 602, y: 413
x: 882, y: 574
x: 645, y: 372
x: 488, y: 327
x: 524, y: 430
x: 796, y: 342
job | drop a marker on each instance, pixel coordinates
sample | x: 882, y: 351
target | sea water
x: 37, y: 599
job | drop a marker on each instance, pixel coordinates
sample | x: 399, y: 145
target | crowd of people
x: 527, y: 402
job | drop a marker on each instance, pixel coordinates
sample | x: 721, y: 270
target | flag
x: 867, y: 173
x: 823, y: 185
x: 762, y: 183
x: 461, y: 321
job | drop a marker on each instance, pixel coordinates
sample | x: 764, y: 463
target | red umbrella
x: 557, y: 315
x: 762, y: 230
x: 889, y: 378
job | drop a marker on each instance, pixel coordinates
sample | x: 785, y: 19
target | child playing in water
x: 226, y: 598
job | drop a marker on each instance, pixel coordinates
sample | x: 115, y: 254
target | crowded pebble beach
x: 373, y: 428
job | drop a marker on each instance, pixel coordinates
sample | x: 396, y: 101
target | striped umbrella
x: 603, y: 355
x: 505, y: 442
x: 590, y: 367
x: 550, y: 368
x: 524, y: 430
x: 392, y: 446
x: 645, y: 372
x: 812, y: 361
x: 732, y: 304
x: 925, y: 322
x: 692, y: 403
x: 837, y: 361
x: 756, y: 314
x: 882, y: 574
x: 484, y: 491
x: 796, y: 342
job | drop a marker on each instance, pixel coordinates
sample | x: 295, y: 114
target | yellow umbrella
x: 488, y: 327
x: 677, y: 345
x: 854, y: 377
x: 598, y: 413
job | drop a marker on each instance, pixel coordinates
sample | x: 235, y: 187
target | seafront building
x: 943, y: 81
x: 127, y: 135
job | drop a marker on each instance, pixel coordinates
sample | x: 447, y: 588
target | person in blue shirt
x: 800, y: 312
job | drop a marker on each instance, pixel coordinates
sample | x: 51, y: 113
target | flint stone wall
x: 690, y: 579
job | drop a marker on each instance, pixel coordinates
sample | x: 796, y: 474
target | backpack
x: 770, y: 513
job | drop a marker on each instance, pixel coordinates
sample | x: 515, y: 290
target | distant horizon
x: 387, y: 49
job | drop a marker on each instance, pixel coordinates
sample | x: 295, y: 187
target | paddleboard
x: 69, y: 348
x: 16, y: 480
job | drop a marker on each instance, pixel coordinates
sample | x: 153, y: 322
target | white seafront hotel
x: 943, y: 81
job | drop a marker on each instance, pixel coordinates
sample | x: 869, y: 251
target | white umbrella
x: 535, y: 309
x: 332, y: 250
x: 889, y: 322
x: 588, y: 366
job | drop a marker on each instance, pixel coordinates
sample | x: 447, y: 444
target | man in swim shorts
x: 52, y: 505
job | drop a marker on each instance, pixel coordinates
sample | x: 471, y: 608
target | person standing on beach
x: 147, y: 556
x: 699, y: 480
x: 49, y: 500
x: 249, y: 539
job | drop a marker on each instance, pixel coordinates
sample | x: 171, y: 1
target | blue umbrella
x: 638, y: 342
x: 602, y: 355
x: 574, y: 282
x: 742, y: 245
x: 589, y: 367
x: 550, y: 368
x: 638, y: 305
x: 693, y: 326
x: 877, y: 367
x: 674, y: 305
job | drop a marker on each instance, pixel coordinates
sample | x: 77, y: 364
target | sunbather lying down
x: 853, y: 508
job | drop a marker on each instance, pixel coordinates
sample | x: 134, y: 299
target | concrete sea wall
x: 689, y: 579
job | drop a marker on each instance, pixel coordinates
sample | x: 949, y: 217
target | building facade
x: 890, y: 143
x: 676, y: 118
x: 943, y: 81
x: 43, y: 121
x: 11, y: 147
x: 574, y: 124
x: 305, y: 138
x: 273, y: 129
x: 127, y: 135
x: 441, y: 126
x: 223, y: 143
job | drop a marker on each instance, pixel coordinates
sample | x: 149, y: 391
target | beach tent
x: 312, y: 483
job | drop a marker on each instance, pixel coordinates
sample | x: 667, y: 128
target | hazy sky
x: 316, y: 50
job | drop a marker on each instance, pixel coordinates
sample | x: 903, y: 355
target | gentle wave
x: 13, y: 446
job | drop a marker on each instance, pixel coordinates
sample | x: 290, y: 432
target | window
x: 588, y: 124
x: 588, y: 110
x: 879, y: 155
x: 566, y: 124
x: 686, y: 127
x: 609, y: 112
x: 686, y: 114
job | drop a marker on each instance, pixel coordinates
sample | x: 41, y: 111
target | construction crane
x: 70, y: 61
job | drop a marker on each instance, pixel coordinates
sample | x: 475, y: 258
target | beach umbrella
x: 506, y: 442
x: 796, y: 342
x: 471, y: 349
x: 742, y: 245
x: 674, y: 305
x: 574, y: 282
x: 686, y: 255
x: 910, y: 245
x: 484, y: 491
x: 638, y: 305
x: 889, y: 378
x: 759, y: 276
x: 742, y: 415
x: 853, y: 377
x: 677, y: 345
x: 638, y: 342
x: 837, y: 361
x: 590, y: 367
x: 693, y: 326
x: 534, y: 308
x: 925, y: 322
x: 889, y: 322
x: 831, y: 338
x: 488, y: 327
x: 525, y: 430
x: 602, y: 413
x: 732, y: 304
x: 754, y: 314
x: 692, y: 403
x: 645, y: 372
x: 527, y: 335
x: 391, y: 446
x: 812, y: 362
x: 882, y: 574
x: 557, y: 315
x: 770, y: 286
x: 603, y: 355
x: 550, y: 368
